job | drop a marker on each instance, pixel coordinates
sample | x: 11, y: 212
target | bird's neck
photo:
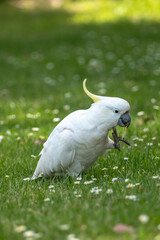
x: 97, y: 120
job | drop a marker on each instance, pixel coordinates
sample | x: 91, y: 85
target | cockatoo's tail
x: 81, y: 137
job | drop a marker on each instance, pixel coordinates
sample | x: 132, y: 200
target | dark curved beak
x: 124, y: 120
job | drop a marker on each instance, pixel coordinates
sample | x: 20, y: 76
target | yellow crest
x: 91, y: 95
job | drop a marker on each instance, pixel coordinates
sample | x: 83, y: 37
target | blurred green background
x: 47, y: 48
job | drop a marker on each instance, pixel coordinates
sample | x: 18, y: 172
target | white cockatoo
x: 81, y: 137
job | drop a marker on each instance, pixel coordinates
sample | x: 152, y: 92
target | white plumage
x: 81, y: 137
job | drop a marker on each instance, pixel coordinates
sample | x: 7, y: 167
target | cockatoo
x: 82, y: 136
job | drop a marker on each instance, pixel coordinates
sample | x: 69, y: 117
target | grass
x: 44, y: 57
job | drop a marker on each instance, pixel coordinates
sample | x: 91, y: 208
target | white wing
x: 58, y: 153
x: 74, y: 145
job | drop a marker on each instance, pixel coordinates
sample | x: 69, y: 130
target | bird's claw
x: 117, y: 139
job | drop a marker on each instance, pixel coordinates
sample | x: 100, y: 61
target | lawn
x: 44, y: 56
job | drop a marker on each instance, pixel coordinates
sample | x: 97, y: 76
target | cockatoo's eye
x: 116, y: 111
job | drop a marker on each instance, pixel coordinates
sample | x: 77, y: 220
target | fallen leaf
x: 122, y: 228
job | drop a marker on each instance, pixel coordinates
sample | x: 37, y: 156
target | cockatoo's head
x: 114, y: 109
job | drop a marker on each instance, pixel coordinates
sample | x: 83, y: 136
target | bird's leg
x: 117, y: 139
